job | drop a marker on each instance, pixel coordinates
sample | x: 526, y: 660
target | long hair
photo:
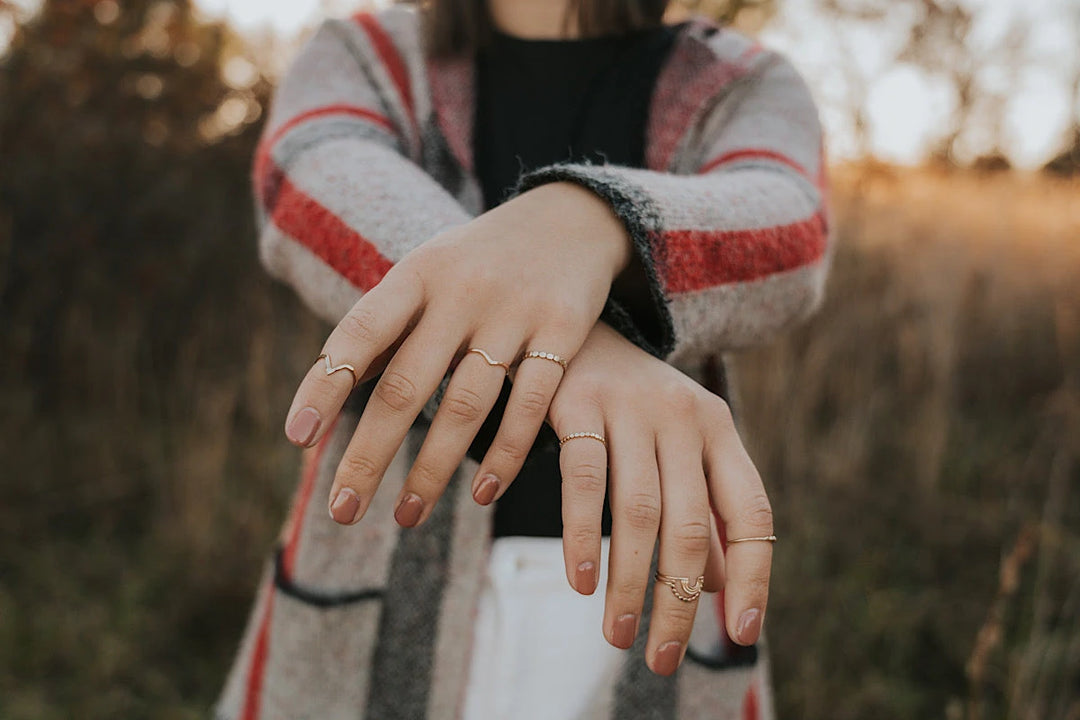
x: 458, y: 27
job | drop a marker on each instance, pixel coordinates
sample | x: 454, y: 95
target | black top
x: 540, y: 102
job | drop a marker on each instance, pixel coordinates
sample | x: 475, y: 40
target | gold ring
x: 331, y: 368
x: 545, y: 356
x: 681, y: 587
x: 575, y: 436
x: 763, y: 538
x: 490, y: 360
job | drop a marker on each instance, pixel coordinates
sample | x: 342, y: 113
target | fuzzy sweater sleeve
x: 340, y: 196
x: 736, y: 247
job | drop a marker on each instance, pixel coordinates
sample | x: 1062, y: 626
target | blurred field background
x: 920, y: 438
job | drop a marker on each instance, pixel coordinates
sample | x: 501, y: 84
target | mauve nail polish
x: 747, y: 628
x: 303, y: 426
x: 409, y: 510
x: 624, y: 630
x: 345, y: 506
x: 667, y: 657
x: 585, y: 578
x: 485, y: 491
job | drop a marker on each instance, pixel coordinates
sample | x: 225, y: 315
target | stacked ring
x: 682, y: 587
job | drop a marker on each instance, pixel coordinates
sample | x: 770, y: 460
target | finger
x: 684, y: 547
x: 535, y: 383
x: 373, y: 324
x: 714, y: 566
x: 635, y: 522
x: 400, y: 393
x: 583, y: 464
x: 739, y: 496
x: 469, y: 397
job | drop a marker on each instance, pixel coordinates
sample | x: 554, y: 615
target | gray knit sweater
x: 367, y: 154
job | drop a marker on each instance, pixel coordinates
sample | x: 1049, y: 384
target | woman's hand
x: 530, y: 275
x: 674, y: 456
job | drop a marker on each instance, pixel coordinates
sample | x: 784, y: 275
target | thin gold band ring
x: 331, y: 368
x: 682, y: 587
x: 490, y: 360
x: 763, y: 538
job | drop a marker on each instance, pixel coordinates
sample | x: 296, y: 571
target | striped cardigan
x: 368, y: 153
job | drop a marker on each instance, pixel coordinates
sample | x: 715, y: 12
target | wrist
x: 591, y: 218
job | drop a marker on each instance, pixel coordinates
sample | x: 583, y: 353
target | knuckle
x: 581, y: 534
x: 355, y: 467
x: 534, y: 403
x: 756, y: 515
x: 642, y: 513
x: 681, y: 614
x: 464, y: 406
x: 719, y: 411
x: 396, y: 390
x: 692, y: 538
x: 511, y: 450
x: 360, y: 326
x: 588, y: 478
x: 682, y: 399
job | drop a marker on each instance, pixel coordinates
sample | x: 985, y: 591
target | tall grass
x: 920, y: 439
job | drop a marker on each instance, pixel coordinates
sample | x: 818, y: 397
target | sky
x: 905, y: 107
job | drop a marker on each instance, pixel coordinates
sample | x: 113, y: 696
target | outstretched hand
x: 671, y: 457
x: 518, y: 278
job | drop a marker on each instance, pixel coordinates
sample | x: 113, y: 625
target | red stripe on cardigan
x: 312, y: 460
x: 328, y: 236
x: 266, y: 145
x: 750, y: 710
x: 257, y: 671
x: 390, y: 58
x: 699, y: 259
x: 757, y: 154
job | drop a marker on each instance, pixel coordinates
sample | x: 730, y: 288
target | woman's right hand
x: 532, y: 274
x: 672, y: 457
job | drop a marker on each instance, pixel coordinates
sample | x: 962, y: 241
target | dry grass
x: 920, y: 437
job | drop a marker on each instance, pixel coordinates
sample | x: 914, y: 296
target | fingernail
x: 585, y: 578
x: 667, y: 657
x: 624, y: 630
x: 346, y: 507
x: 303, y: 426
x: 485, y: 491
x: 409, y: 510
x: 746, y: 630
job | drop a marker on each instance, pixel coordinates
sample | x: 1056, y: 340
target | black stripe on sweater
x: 317, y: 598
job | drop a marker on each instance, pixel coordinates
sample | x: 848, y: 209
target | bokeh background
x: 920, y: 438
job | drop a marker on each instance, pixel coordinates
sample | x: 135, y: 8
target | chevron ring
x: 331, y: 368
x: 490, y: 360
x: 681, y: 587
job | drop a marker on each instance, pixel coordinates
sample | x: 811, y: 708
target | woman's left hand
x: 674, y: 456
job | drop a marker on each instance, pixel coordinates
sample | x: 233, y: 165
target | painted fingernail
x: 667, y: 657
x: 485, y: 491
x: 746, y: 630
x: 409, y: 510
x: 585, y: 578
x: 303, y: 426
x: 346, y: 507
x: 624, y: 630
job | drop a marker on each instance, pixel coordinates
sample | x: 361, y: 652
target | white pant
x: 539, y: 651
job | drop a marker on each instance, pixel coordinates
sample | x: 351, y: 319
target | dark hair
x: 457, y: 27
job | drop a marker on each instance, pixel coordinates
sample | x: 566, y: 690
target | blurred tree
x: 126, y: 130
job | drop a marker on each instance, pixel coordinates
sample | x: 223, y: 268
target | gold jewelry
x: 681, y: 587
x: 331, y: 368
x: 490, y: 360
x: 763, y: 538
x: 545, y: 356
x: 575, y: 436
